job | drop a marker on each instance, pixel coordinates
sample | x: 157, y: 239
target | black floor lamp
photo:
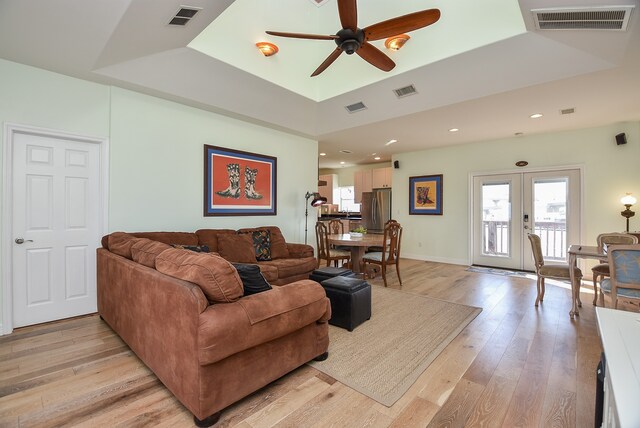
x: 315, y: 202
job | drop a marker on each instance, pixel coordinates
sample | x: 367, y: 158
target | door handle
x: 22, y: 241
x: 526, y: 227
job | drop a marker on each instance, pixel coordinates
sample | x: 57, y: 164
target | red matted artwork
x: 238, y: 183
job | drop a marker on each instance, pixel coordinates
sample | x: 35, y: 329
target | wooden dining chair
x: 624, y: 279
x: 601, y: 270
x: 390, y: 254
x: 336, y: 226
x: 325, y: 252
x: 559, y: 271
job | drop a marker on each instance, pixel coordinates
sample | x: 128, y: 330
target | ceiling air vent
x: 184, y: 15
x: 353, y: 108
x: 568, y: 110
x: 406, y: 91
x: 589, y: 18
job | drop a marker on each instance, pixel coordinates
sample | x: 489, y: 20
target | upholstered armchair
x: 601, y: 270
x: 624, y: 280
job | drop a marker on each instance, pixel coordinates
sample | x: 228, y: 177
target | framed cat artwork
x: 239, y: 183
x: 425, y: 195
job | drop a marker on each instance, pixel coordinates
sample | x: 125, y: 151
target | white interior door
x: 507, y: 207
x: 56, y: 227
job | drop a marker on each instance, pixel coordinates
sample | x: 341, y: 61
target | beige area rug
x: 384, y: 356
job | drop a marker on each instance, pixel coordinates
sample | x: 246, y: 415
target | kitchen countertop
x: 342, y: 216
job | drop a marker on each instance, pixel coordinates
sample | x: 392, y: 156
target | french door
x: 507, y: 207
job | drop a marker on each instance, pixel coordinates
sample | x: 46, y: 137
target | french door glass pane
x: 550, y: 217
x: 496, y: 219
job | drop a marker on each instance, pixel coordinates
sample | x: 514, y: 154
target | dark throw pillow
x: 252, y: 279
x: 261, y: 243
x: 195, y: 248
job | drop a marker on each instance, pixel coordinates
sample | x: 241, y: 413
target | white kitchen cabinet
x: 381, y: 178
x: 362, y: 182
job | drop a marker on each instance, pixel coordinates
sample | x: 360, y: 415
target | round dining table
x: 357, y: 245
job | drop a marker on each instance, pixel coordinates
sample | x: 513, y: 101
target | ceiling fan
x: 353, y: 39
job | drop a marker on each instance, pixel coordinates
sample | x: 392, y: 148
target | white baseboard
x: 435, y: 259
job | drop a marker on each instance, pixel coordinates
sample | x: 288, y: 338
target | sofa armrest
x: 229, y: 328
x: 300, y: 251
x: 157, y: 316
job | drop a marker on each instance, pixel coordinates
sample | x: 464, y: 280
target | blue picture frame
x: 425, y: 195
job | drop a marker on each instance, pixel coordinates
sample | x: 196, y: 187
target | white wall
x: 609, y: 172
x: 156, y: 150
x: 157, y: 166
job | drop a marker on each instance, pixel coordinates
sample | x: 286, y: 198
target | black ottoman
x: 327, y: 272
x: 350, y: 301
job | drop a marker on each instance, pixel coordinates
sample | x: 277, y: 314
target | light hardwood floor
x: 514, y: 365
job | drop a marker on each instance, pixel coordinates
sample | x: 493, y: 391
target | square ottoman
x: 350, y: 301
x: 327, y: 272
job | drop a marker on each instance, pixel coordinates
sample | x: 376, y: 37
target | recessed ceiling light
x: 454, y: 130
x: 342, y: 163
x: 373, y: 154
x: 535, y: 115
x: 377, y: 158
x: 323, y: 154
x: 388, y: 143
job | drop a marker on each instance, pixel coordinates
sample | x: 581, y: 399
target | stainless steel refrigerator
x: 376, y: 209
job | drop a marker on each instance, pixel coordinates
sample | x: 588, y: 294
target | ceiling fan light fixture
x: 267, y: 49
x: 396, y: 42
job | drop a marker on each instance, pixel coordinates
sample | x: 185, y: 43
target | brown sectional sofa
x: 209, y: 345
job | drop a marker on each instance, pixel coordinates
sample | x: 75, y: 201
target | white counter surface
x: 620, y: 334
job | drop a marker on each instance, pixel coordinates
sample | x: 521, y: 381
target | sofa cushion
x: 120, y: 243
x: 293, y: 267
x: 209, y: 237
x: 270, y: 273
x: 253, y: 281
x: 184, y: 238
x: 237, y: 248
x: 145, y: 251
x: 217, y: 278
x: 261, y: 244
x: 194, y: 248
x: 279, y: 248
x: 254, y: 320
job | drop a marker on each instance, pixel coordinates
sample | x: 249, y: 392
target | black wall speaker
x: 621, y: 139
x: 396, y: 164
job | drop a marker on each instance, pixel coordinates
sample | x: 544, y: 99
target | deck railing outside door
x: 553, y: 236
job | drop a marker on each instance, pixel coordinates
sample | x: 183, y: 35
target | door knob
x: 22, y: 241
x: 526, y: 227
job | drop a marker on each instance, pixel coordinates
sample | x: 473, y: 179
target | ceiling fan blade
x: 348, y: 11
x: 301, y: 35
x: 327, y: 62
x: 375, y: 57
x: 401, y: 24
